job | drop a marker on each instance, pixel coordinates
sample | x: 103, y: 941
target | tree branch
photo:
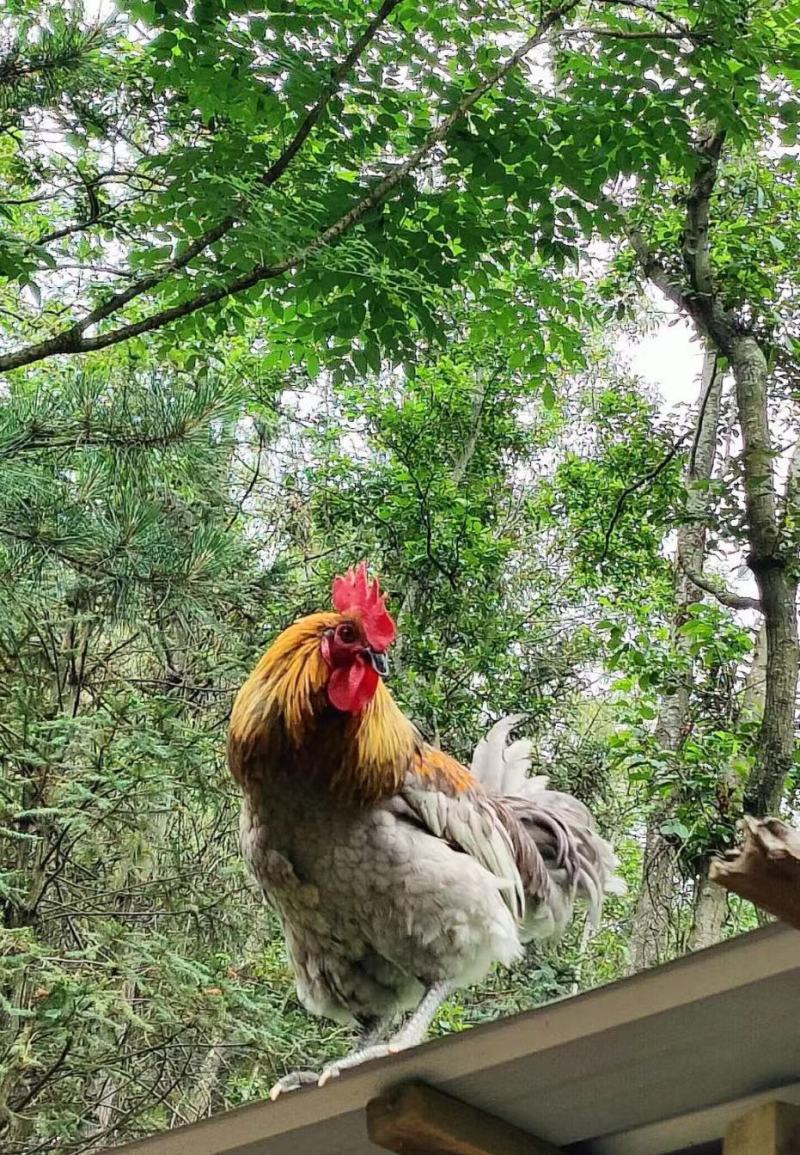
x: 714, y: 382
x: 695, y: 241
x: 84, y: 436
x: 718, y: 590
x: 75, y: 227
x: 698, y: 299
x: 43, y: 1079
x: 72, y: 340
x: 791, y: 496
x: 268, y: 178
x: 676, y: 29
x: 644, y: 6
x: 652, y: 34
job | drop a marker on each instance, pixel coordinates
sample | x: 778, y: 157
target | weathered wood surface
x: 417, y: 1120
x: 766, y: 870
x: 771, y: 1129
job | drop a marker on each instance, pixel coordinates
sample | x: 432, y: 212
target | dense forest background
x: 287, y: 285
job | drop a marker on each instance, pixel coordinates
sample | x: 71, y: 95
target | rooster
x: 398, y: 874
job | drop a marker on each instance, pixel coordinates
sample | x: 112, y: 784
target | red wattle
x: 350, y: 688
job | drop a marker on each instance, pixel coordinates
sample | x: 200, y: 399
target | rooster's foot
x: 292, y: 1082
x: 378, y: 1051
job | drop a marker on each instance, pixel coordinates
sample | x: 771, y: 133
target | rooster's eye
x: 347, y: 634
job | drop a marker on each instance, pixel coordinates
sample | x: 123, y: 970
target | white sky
x: 669, y: 359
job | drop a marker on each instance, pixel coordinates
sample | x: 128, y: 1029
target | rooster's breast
x: 373, y: 905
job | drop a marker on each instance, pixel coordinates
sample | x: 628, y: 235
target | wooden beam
x: 766, y: 870
x: 416, y: 1120
x: 771, y: 1129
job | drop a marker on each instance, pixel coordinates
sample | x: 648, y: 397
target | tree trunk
x: 755, y: 683
x: 654, y: 936
x: 771, y: 688
x: 711, y: 901
x: 710, y: 909
x: 197, y: 1102
x: 775, y: 576
x: 105, y: 1086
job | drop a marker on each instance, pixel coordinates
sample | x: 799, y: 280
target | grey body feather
x: 382, y: 902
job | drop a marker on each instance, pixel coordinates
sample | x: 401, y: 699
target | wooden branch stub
x: 771, y: 1129
x: 416, y: 1120
x: 766, y: 870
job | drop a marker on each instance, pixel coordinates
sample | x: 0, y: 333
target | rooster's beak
x: 379, y: 662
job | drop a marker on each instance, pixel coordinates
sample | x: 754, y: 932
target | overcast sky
x: 669, y: 359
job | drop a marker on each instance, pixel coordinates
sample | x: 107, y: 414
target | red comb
x: 354, y: 591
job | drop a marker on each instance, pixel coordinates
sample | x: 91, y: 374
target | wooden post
x: 766, y: 870
x: 416, y: 1120
x: 771, y: 1129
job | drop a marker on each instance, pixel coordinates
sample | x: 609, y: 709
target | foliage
x: 626, y: 474
x: 705, y: 778
x: 344, y: 173
x: 141, y: 979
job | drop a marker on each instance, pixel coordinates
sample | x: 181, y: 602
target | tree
x: 652, y: 936
x: 118, y: 609
x: 380, y: 188
x: 719, y: 311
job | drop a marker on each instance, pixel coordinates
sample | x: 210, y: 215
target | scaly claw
x: 292, y: 1082
x: 333, y: 1070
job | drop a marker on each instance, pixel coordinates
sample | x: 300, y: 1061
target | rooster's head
x: 322, y: 665
x: 354, y: 648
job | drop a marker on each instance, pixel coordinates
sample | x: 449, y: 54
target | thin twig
x: 701, y: 417
x: 43, y: 1080
x: 651, y: 475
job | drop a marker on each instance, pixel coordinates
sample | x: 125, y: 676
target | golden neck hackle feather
x: 365, y: 755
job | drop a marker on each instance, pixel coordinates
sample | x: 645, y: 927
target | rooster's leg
x: 410, y: 1034
x: 370, y: 1033
x: 415, y: 1028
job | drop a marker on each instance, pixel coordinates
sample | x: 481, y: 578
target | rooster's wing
x: 449, y: 801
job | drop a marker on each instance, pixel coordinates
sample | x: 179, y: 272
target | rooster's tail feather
x: 580, y: 863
